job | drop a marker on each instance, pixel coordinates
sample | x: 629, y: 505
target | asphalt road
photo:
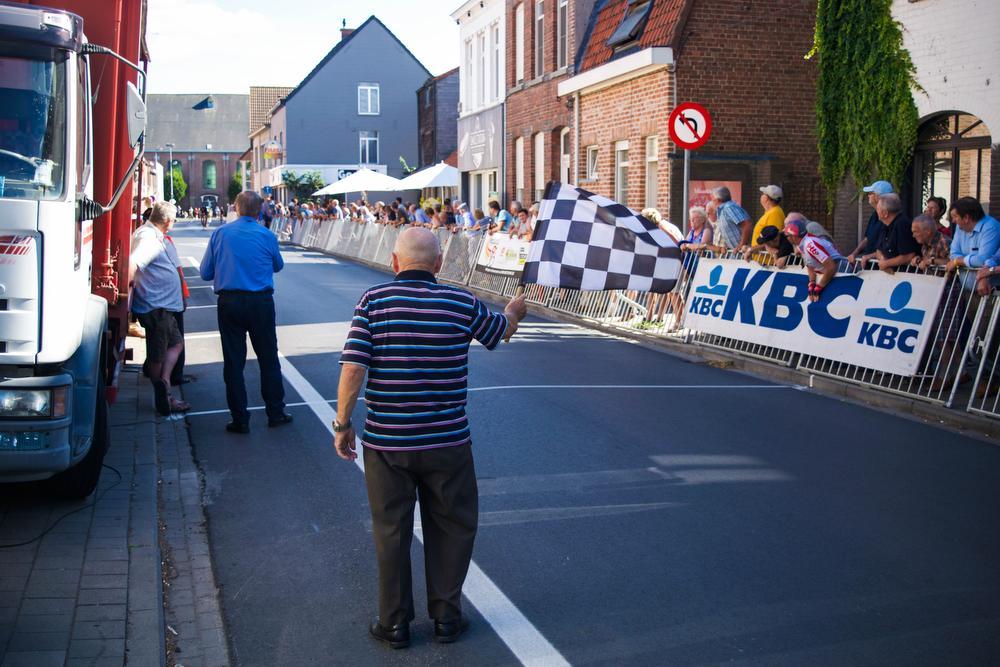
x: 635, y: 509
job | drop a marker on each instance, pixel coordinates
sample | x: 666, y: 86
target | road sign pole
x: 687, y: 198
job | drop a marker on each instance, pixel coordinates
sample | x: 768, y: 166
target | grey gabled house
x: 355, y: 108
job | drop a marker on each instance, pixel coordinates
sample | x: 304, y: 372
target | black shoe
x: 237, y: 427
x: 397, y: 636
x: 285, y: 418
x: 445, y: 632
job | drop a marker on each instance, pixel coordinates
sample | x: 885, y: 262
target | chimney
x: 344, y: 30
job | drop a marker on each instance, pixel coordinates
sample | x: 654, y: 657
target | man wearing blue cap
x: 875, y: 228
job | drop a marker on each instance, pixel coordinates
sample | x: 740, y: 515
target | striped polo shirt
x: 413, y: 335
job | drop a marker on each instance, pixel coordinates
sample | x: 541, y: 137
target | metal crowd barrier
x: 961, y: 365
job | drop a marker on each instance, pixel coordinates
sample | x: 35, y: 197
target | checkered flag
x: 589, y: 242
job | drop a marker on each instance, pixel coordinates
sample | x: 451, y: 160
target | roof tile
x: 662, y: 28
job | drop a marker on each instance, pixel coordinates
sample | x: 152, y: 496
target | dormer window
x: 630, y: 29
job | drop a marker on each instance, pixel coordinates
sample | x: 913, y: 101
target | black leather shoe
x: 397, y: 636
x: 279, y: 421
x: 236, y: 427
x: 445, y: 632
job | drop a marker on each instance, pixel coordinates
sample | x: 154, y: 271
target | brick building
x: 266, y: 136
x: 955, y: 154
x: 543, y: 38
x: 437, y: 117
x: 742, y: 61
x: 208, y: 133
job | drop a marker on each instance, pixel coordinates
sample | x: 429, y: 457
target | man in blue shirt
x: 241, y: 259
x: 977, y: 235
x: 874, y: 229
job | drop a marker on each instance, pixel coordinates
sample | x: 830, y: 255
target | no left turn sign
x: 690, y: 125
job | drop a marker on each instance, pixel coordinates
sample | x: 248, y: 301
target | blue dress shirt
x: 978, y: 246
x: 242, y: 255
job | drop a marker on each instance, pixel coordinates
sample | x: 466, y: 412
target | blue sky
x: 221, y: 46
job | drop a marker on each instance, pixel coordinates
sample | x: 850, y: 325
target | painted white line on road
x: 632, y: 386
x: 203, y: 413
x: 193, y: 262
x: 517, y: 632
x: 201, y: 335
x: 686, y: 387
x: 211, y: 305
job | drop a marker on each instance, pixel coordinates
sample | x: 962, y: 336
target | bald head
x: 417, y: 248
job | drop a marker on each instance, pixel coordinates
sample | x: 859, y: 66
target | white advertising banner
x: 870, y: 319
x: 501, y: 255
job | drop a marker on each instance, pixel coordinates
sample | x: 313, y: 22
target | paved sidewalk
x: 89, y: 591
x: 195, y: 629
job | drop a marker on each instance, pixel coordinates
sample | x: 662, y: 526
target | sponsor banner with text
x: 870, y: 319
x: 502, y: 255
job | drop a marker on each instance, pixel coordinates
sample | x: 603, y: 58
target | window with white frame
x: 564, y: 157
x: 621, y: 172
x: 562, y: 27
x: 652, y: 170
x: 481, y: 75
x: 592, y: 163
x: 495, y: 32
x: 519, y: 167
x: 539, y: 37
x: 539, y: 158
x: 368, y: 147
x: 368, y: 102
x: 519, y: 43
x: 467, y: 75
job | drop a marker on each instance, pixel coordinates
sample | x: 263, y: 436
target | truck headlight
x: 51, y: 403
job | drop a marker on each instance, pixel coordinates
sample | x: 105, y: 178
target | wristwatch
x: 340, y: 428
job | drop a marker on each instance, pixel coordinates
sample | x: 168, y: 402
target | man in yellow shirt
x: 774, y: 216
x: 770, y: 201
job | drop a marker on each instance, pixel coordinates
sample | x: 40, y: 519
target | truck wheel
x: 80, y: 481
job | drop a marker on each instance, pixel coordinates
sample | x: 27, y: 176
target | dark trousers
x: 445, y: 481
x: 242, y: 313
x: 178, y: 373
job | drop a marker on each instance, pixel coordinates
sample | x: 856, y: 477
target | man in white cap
x: 875, y: 228
x: 774, y: 216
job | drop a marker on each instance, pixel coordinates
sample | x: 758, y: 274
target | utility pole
x: 170, y: 147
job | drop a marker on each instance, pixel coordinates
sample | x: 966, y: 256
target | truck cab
x: 53, y: 329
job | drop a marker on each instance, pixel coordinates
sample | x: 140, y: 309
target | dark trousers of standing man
x: 177, y: 376
x: 445, y: 480
x: 241, y: 313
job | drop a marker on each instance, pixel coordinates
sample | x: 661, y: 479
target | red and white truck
x: 72, y: 117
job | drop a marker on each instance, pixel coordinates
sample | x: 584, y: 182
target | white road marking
x: 529, y: 386
x: 517, y: 632
x: 632, y: 386
x: 193, y: 262
x: 198, y: 336
x: 211, y: 305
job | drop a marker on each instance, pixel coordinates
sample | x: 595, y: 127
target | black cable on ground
x: 70, y: 513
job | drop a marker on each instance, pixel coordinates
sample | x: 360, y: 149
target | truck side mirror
x: 136, y: 110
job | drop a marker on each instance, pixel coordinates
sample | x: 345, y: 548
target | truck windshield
x: 32, y: 128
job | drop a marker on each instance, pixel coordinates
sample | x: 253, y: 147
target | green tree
x: 866, y: 118
x: 235, y: 185
x: 180, y: 187
x: 302, y: 186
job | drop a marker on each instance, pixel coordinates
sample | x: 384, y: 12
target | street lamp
x: 170, y: 147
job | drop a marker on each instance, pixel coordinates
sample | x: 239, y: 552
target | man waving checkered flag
x: 589, y: 242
